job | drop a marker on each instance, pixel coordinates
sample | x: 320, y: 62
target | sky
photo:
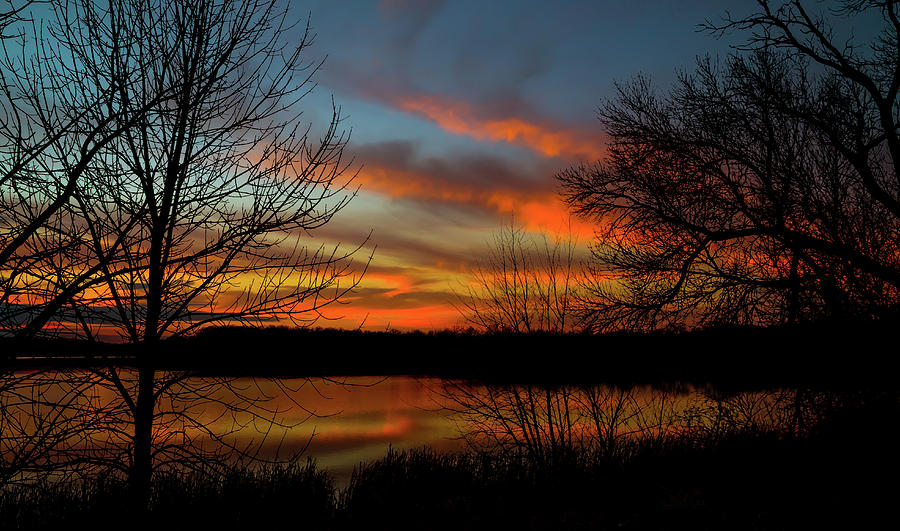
x: 460, y: 114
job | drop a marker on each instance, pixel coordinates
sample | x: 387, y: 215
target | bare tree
x: 56, y: 118
x: 760, y: 191
x: 199, y: 211
x: 527, y: 284
x: 11, y: 13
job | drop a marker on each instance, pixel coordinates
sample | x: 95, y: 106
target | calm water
x: 342, y: 421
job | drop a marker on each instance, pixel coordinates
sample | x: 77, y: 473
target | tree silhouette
x: 198, y: 210
x: 763, y: 191
x: 55, y: 121
x: 526, y: 284
x: 11, y: 13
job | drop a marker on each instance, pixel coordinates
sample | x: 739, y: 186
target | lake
x: 72, y: 422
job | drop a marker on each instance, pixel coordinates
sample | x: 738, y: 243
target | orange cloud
x: 535, y: 209
x: 432, y: 317
x: 545, y: 139
x: 398, y: 283
x: 552, y: 216
x: 399, y: 183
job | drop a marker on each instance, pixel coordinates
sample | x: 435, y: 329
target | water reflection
x: 544, y: 424
x: 75, y: 423
x: 350, y: 420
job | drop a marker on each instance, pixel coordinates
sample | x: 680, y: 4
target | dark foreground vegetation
x: 841, y: 475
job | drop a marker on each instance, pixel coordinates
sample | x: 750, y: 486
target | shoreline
x: 842, y: 356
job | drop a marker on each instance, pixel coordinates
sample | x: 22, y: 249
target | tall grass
x: 241, y: 498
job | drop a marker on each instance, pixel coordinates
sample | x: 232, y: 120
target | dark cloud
x: 414, y: 244
x: 479, y: 171
x: 380, y: 299
x: 407, y: 20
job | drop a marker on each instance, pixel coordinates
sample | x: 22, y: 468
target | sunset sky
x: 461, y: 113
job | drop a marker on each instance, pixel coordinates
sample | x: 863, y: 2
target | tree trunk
x: 141, y: 466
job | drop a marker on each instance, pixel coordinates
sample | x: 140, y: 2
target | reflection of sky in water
x: 348, y: 420
x: 341, y: 422
x: 358, y: 419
